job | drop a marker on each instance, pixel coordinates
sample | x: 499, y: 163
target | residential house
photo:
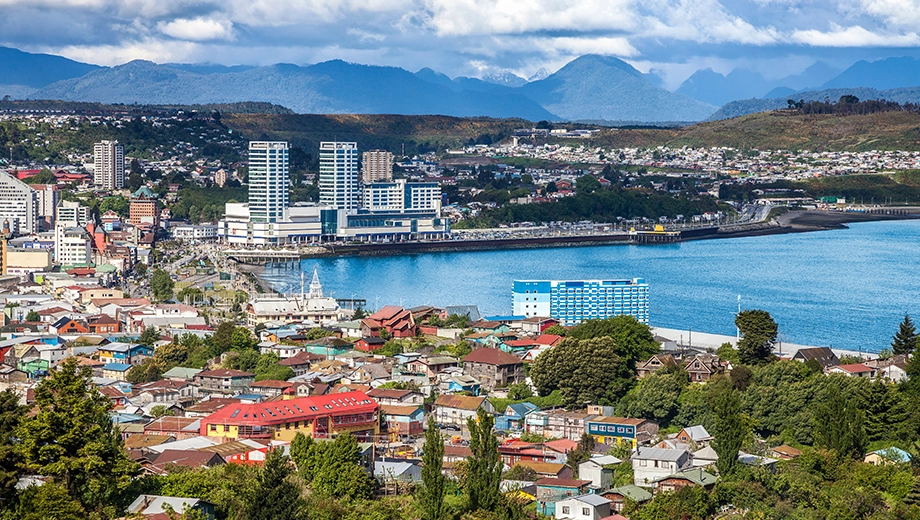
x: 785, y: 452
x: 116, y: 371
x: 493, y: 367
x: 185, y: 458
x: 454, y: 410
x: 370, y: 344
x: 695, y: 435
x: 223, y: 382
x: 704, y: 457
x: 301, y: 362
x: 513, y: 417
x: 115, y: 395
x: 181, y: 373
x: 397, y: 471
x: 459, y: 383
x: 823, y: 355
x: 328, y: 347
x: 178, y: 427
x: 613, y: 430
x: 852, y: 370
x: 537, y: 324
x: 370, y: 374
x: 322, y: 416
x: 156, y: 506
x: 598, y: 470
x: 583, y: 507
x: 270, y: 387
x: 400, y: 420
x: 887, y: 456
x: 9, y: 374
x: 550, y: 491
x: 165, y: 392
x: 514, y: 451
x: 702, y: 367
x: 132, y: 354
x: 652, y: 464
x: 431, y: 366
x: 619, y: 495
x: 394, y: 397
x: 654, y: 364
x: 398, y: 323
x: 547, y: 469
x: 681, y: 479
x: 558, y: 423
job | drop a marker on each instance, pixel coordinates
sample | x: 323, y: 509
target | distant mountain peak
x: 505, y: 78
x: 538, y: 75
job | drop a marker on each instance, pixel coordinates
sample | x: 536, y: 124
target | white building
x: 47, y: 197
x: 583, y: 507
x: 376, y: 165
x: 192, y: 232
x: 72, y: 246
x: 109, y: 165
x: 308, y: 306
x: 70, y: 214
x: 338, y: 175
x: 18, y: 205
x: 403, y: 197
x: 269, y: 181
x: 651, y: 464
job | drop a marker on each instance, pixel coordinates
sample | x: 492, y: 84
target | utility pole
x: 738, y: 331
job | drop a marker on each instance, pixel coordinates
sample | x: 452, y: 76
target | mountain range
x: 589, y: 88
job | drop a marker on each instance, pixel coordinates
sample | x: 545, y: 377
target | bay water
x: 846, y: 289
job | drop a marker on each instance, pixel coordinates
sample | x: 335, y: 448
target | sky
x: 673, y: 38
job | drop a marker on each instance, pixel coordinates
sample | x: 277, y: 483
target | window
x: 565, y: 510
x: 213, y: 427
x: 226, y: 428
x: 586, y: 511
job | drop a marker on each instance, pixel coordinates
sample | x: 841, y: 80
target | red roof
x: 491, y: 356
x: 854, y: 368
x: 548, y: 339
x: 561, y: 445
x: 302, y: 408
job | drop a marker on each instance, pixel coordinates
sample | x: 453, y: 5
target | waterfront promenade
x: 692, y: 338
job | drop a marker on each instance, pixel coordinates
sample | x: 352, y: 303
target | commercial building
x: 18, y: 205
x: 309, y: 306
x: 109, y: 165
x: 571, y: 302
x: 376, y: 165
x: 70, y: 213
x: 47, y: 198
x: 338, y: 175
x: 72, y: 246
x: 400, y: 196
x: 195, y: 232
x: 269, y: 181
x: 144, y: 211
x: 321, y: 416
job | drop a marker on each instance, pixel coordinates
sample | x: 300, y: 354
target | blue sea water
x: 847, y: 289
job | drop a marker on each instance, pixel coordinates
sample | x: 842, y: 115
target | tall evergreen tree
x: 72, y: 440
x: 11, y: 413
x: 758, y: 334
x: 905, y: 340
x: 431, y: 495
x: 729, y: 426
x: 484, y: 465
x: 839, y: 423
x: 274, y: 495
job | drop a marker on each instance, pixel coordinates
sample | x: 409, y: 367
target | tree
x: 839, y: 423
x: 634, y: 340
x: 729, y: 426
x: 221, y: 340
x: 434, y: 483
x: 150, y: 336
x: 519, y: 391
x: 582, y: 451
x: 140, y: 268
x: 585, y: 371
x: 333, y: 469
x: 72, y: 440
x: 656, y: 397
x: 758, y: 334
x: 274, y: 495
x: 904, y: 342
x: 521, y: 472
x: 160, y: 411
x: 485, y: 465
x: 161, y: 284
x: 11, y: 414
x: 557, y: 330
x: 587, y: 184
x: 33, y: 316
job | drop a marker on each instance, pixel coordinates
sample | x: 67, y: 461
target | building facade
x: 144, y: 210
x: 269, y: 181
x: 376, y: 165
x: 403, y: 197
x: 72, y: 246
x: 572, y: 302
x: 109, y: 165
x: 338, y: 175
x: 18, y: 205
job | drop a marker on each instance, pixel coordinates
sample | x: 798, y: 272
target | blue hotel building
x: 571, y: 302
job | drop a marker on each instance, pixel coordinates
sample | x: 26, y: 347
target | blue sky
x: 471, y: 37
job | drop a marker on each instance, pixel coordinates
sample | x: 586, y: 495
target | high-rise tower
x: 109, y: 165
x: 338, y: 175
x: 269, y: 181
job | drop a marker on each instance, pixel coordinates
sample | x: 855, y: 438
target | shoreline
x: 693, y: 338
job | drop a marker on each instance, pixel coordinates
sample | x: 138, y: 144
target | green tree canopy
x: 585, y: 371
x: 729, y: 426
x: 161, y: 284
x: 484, y: 464
x: 434, y: 483
x: 758, y: 334
x: 275, y: 495
x: 840, y: 423
x: 904, y: 341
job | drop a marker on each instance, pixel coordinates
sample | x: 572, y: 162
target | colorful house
x: 513, y: 418
x: 553, y: 490
x: 402, y: 420
x: 321, y: 416
x: 328, y: 346
x: 613, y: 430
x: 132, y: 354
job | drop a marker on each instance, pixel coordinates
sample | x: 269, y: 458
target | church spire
x: 316, y: 288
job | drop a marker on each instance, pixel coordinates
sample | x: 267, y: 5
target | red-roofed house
x: 493, y: 367
x: 320, y: 416
x: 397, y: 321
x: 223, y: 381
x: 852, y: 370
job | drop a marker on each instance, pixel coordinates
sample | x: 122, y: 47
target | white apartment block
x: 71, y: 214
x: 109, y: 165
x: 338, y: 175
x: 269, y: 181
x: 18, y: 205
x: 376, y: 165
x: 400, y: 196
x: 72, y: 246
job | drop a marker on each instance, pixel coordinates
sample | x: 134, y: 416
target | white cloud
x: 148, y: 49
x: 854, y: 36
x: 197, y: 29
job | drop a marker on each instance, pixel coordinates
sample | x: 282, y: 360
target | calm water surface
x: 844, y: 288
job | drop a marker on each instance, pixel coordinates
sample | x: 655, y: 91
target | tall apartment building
x: 400, y: 196
x: 71, y: 214
x: 47, y: 197
x: 338, y: 175
x: 109, y: 165
x: 269, y: 181
x: 571, y: 302
x: 18, y: 205
x: 143, y: 210
x: 376, y: 165
x: 220, y: 177
x: 72, y: 246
